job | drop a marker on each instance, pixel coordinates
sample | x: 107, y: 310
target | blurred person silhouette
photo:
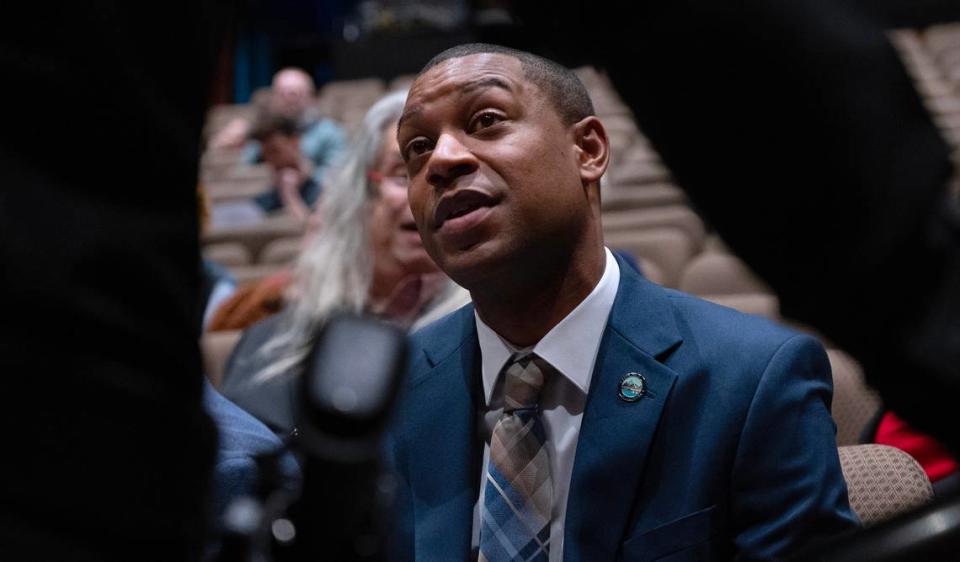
x: 108, y: 453
x: 292, y: 95
x: 366, y: 256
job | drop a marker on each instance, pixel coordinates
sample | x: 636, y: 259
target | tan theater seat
x: 651, y: 271
x: 236, y: 188
x: 241, y: 171
x: 673, y: 216
x: 340, y: 98
x: 854, y: 403
x: 639, y: 173
x: 282, y: 251
x: 714, y: 273
x: 227, y: 254
x: 617, y: 197
x: 402, y: 82
x: 759, y: 304
x: 247, y: 274
x: 714, y: 244
x: 882, y: 482
x: 216, y: 347
x: 668, y: 248
x: 255, y: 237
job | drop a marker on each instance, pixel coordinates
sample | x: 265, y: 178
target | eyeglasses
x: 400, y: 180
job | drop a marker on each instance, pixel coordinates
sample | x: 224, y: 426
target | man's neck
x: 523, y: 311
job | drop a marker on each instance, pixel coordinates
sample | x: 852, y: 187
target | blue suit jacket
x: 730, y: 453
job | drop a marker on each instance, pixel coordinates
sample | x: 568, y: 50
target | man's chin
x: 469, y: 267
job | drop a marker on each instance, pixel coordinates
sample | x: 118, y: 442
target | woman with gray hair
x: 366, y: 256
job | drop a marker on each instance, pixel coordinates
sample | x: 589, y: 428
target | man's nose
x: 449, y: 160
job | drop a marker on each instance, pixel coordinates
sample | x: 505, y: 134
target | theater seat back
x: 882, y: 482
x: 855, y: 404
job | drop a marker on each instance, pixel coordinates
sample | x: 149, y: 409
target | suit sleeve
x: 787, y: 486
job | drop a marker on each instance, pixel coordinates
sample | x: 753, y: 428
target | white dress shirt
x: 571, y: 348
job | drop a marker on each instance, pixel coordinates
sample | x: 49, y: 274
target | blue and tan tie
x: 518, y: 494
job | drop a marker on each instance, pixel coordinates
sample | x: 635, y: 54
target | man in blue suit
x: 576, y: 411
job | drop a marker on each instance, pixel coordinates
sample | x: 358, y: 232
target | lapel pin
x: 632, y: 387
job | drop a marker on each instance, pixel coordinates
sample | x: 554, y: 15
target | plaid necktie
x: 518, y: 495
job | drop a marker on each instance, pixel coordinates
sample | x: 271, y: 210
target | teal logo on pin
x: 632, y: 387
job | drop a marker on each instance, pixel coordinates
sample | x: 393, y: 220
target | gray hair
x: 334, y: 271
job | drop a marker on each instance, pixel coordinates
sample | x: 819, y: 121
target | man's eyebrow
x: 466, y: 89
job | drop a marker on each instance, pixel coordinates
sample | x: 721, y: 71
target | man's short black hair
x: 561, y: 85
x: 268, y: 124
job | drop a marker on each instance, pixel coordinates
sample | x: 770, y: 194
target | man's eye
x: 417, y: 147
x: 485, y: 119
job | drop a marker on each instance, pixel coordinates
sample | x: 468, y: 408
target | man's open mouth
x: 461, y: 203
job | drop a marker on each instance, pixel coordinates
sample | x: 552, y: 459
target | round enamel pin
x: 632, y: 387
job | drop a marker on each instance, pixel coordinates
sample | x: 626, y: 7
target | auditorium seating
x: 651, y: 271
x: 227, y: 254
x: 255, y: 237
x: 678, y: 217
x: 855, y: 404
x: 626, y: 197
x: 668, y: 247
x: 282, y: 251
x: 245, y: 275
x: 715, y: 273
x: 347, y: 101
x: 882, y: 482
x: 236, y: 188
x: 760, y: 304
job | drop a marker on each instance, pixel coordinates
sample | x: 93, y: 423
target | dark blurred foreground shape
x: 797, y: 132
x: 107, y: 451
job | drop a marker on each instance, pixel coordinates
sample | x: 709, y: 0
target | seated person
x: 366, y: 256
x: 252, y: 303
x: 292, y: 96
x: 294, y: 188
x: 576, y: 411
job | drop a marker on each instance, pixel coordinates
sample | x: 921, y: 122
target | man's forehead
x: 465, y: 75
x: 291, y: 79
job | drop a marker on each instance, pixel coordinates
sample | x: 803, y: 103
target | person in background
x: 292, y: 96
x: 294, y: 188
x: 366, y: 257
x: 252, y: 302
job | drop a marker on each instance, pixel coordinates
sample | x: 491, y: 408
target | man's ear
x: 593, y: 148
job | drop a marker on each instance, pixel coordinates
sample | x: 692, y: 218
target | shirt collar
x: 570, y: 347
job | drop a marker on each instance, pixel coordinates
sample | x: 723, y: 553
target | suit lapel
x: 444, y: 447
x: 615, y: 435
